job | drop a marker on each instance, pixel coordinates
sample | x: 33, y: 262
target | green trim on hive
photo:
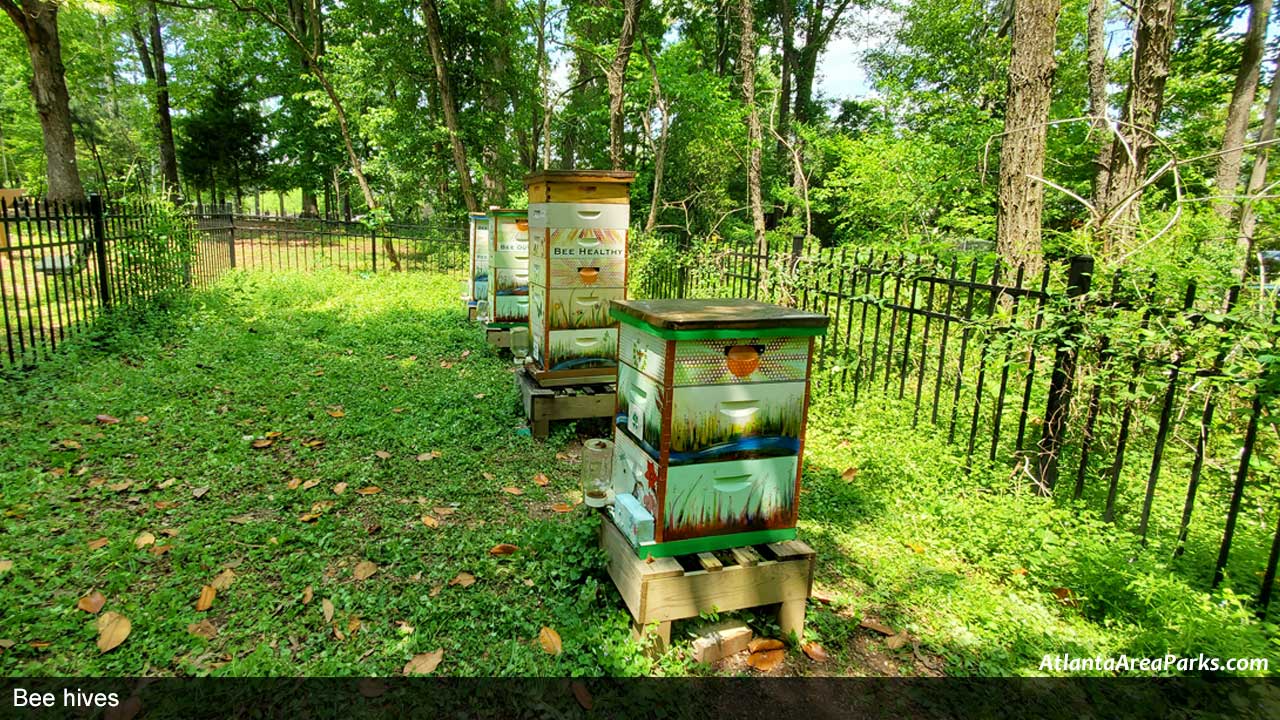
x: 508, y: 213
x: 714, y: 542
x: 716, y: 334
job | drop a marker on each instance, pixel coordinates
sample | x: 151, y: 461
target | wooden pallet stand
x: 542, y: 405
x: 565, y: 378
x: 658, y: 591
x: 498, y: 337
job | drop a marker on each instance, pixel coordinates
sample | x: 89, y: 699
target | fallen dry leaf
x: 99, y: 543
x: 159, y: 550
x: 113, y: 628
x: 203, y: 629
x: 424, y: 663
x: 107, y: 420
x: 320, y: 506
x: 339, y: 488
x: 382, y: 454
x: 326, y: 608
x: 897, y: 641
x: 488, y: 475
x: 309, y: 517
x: 562, y: 508
x: 336, y: 411
x: 117, y: 487
x: 205, y: 601
x: 397, y: 410
x: 353, y: 624
x: 849, y: 474
x: 404, y: 627
x: 765, y: 644
x: 581, y: 694
x: 307, y: 594
x: 502, y: 549
x: 310, y: 484
x: 199, y: 492
x: 370, y: 490
x: 541, y: 480
x: 444, y: 510
x: 766, y: 660
x: 144, y: 540
x: 223, y: 580
x: 92, y: 602
x: 463, y: 579
x: 550, y: 641
x: 169, y: 532
x: 6, y: 644
x: 815, y: 652
x: 878, y: 626
x: 465, y: 354
x: 273, y: 434
x: 435, y: 590
x: 5, y: 566
x: 478, y: 396
x: 365, y: 570
x: 142, y: 419
x: 512, y: 491
x: 294, y: 483
x: 446, y: 364
x: 166, y: 504
x: 70, y: 444
x: 313, y: 443
x: 430, y: 521
x: 261, y: 443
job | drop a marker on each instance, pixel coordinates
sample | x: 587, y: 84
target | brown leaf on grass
x: 5, y: 566
x: 199, y: 492
x: 424, y: 663
x: 92, y: 602
x: 294, y: 483
x: 766, y: 660
x: 262, y: 443
x: 39, y: 644
x: 370, y: 490
x: 550, y: 641
x: 502, y: 549
x: 326, y: 608
x: 764, y: 644
x: 313, y: 443
x: 240, y: 519
x: 382, y: 454
x: 370, y: 687
x: 465, y: 354
x: 562, y: 508
x: 118, y: 487
x: 915, y: 547
x: 203, y: 629
x: 430, y: 521
x: 336, y: 411
x: 6, y: 644
x: 113, y: 628
x: 898, y: 640
x: 478, y: 396
x: 320, y: 506
x: 307, y: 594
x: 365, y: 570
x: 169, y: 532
x: 353, y: 624
x: 1020, y: 571
x: 435, y: 590
x: 107, y: 419
x: 166, y: 504
x: 273, y: 434
x: 397, y: 410
x: 142, y: 419
x: 582, y: 694
x: 488, y: 476
x: 1066, y: 597
x: 309, y: 517
x: 159, y: 550
x: 223, y: 580
x: 310, y: 484
x: 444, y: 510
x: 815, y: 652
x: 446, y: 364
x: 463, y: 579
x: 205, y: 601
x: 512, y: 490
x: 339, y: 488
x: 849, y: 474
x: 541, y: 480
x: 98, y: 544
x: 876, y: 625
x: 70, y: 444
x: 144, y: 540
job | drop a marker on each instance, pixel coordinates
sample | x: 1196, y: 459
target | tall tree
x: 819, y: 20
x: 616, y: 76
x: 1257, y: 177
x: 1227, y: 177
x: 1130, y: 150
x: 435, y: 39
x: 151, y: 54
x: 1096, y: 53
x: 755, y: 139
x: 38, y: 21
x: 1020, y: 202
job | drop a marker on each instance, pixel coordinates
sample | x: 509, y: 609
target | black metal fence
x: 64, y: 264
x: 1152, y: 402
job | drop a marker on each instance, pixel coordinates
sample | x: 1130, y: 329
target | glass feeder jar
x: 520, y: 344
x: 597, y: 471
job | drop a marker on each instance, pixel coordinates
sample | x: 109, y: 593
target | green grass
x: 910, y: 540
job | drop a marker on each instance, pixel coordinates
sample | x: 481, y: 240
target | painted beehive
x: 713, y: 396
x: 577, y: 264
x: 479, y: 274
x: 508, y: 267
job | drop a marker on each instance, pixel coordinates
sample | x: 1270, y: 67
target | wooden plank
x: 791, y: 550
x: 733, y: 588
x: 709, y: 562
x: 562, y: 378
x: 746, y: 556
x: 721, y: 314
x: 621, y: 566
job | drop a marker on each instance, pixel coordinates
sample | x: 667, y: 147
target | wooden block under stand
x: 562, y: 378
x: 661, y: 590
x: 543, y: 405
x: 498, y: 337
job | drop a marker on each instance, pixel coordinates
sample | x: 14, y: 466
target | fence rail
x: 65, y: 264
x: 1146, y: 401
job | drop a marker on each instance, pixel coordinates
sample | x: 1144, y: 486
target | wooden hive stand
x: 661, y: 590
x: 542, y: 405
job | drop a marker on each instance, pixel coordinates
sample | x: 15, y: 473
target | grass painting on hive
x: 729, y: 497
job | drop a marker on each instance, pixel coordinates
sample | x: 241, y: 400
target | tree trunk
x: 164, y: 122
x: 660, y: 147
x: 435, y: 39
x: 280, y: 202
x: 786, y: 21
x: 310, y: 206
x: 755, y: 139
x: 1153, y: 39
x: 495, y: 169
x: 4, y: 159
x: 1227, y: 177
x: 539, y: 115
x: 617, y: 76
x: 38, y: 21
x: 1096, y: 52
x: 1020, y: 203
x: 1257, y: 178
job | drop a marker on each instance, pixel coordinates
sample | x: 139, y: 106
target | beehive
x: 478, y: 277
x: 508, y: 267
x: 577, y: 264
x: 713, y: 398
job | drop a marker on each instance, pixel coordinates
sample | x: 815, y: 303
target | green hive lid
x: 717, y: 318
x: 507, y: 212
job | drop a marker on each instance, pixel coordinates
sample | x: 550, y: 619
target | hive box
x: 479, y: 271
x: 577, y: 265
x: 713, y: 397
x: 508, y: 267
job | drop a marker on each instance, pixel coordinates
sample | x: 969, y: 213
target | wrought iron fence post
x: 373, y: 246
x: 231, y: 235
x: 1058, y: 404
x: 100, y: 247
